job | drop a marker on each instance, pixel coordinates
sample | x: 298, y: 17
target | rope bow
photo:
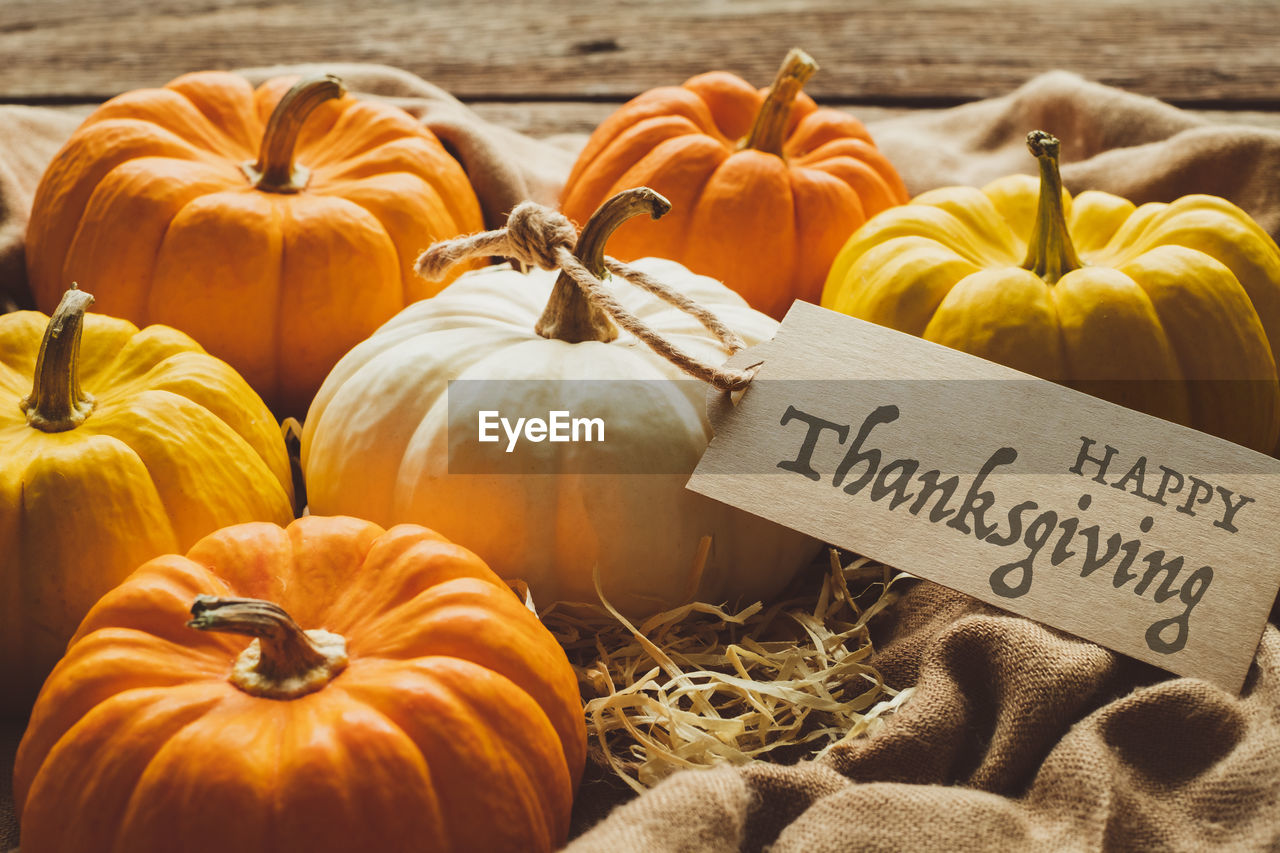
x: 539, y: 236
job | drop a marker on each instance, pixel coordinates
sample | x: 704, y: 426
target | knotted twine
x: 539, y: 236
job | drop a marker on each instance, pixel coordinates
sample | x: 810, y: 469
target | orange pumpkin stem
x: 283, y: 661
x: 275, y: 171
x: 56, y: 402
x: 771, y: 122
x: 1051, y: 254
x: 570, y: 315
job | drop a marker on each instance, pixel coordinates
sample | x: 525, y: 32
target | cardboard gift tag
x: 1144, y: 536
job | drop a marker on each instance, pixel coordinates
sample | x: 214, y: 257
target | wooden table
x: 544, y: 67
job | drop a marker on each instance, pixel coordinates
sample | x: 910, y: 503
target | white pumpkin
x: 381, y: 438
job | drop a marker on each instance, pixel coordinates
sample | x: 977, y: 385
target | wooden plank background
x: 545, y: 66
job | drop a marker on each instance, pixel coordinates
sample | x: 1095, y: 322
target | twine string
x: 541, y: 237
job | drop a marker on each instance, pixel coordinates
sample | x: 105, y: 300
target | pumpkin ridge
x: 866, y: 155
x: 283, y: 221
x: 261, y: 441
x: 355, y: 688
x: 523, y: 756
x: 175, y: 716
x: 339, y: 616
x: 1255, y: 268
x: 1135, y: 360
x: 145, y: 309
x: 142, y: 494
x: 704, y: 259
x: 813, y: 211
x: 827, y: 125
x: 730, y: 101
x: 676, y: 223
x: 440, y: 675
x: 1206, y: 399
x: 196, y: 87
x: 168, y: 584
x: 124, y: 361
x: 1021, y: 328
x: 87, y: 693
x: 402, y: 263
x: 1129, y: 241
x: 45, y: 242
x: 642, y: 136
x: 142, y: 798
x: 463, y: 593
x: 231, y: 148
x: 436, y: 216
x: 146, y: 106
x: 360, y: 758
x: 383, y: 556
x: 655, y: 103
x: 111, y: 296
x: 344, y: 140
x: 193, y: 476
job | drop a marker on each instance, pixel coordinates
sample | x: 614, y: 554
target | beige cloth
x: 29, y: 137
x: 1019, y: 737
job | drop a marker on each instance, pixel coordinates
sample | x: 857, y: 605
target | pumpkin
x: 115, y: 445
x: 1172, y: 309
x: 278, y: 228
x: 414, y: 704
x: 393, y: 434
x: 765, y: 186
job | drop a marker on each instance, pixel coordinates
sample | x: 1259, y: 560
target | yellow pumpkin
x: 1171, y: 309
x: 115, y: 445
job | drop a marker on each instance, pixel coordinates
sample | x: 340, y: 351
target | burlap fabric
x: 1019, y: 737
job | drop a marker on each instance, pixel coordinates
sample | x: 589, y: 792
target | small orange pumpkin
x: 764, y: 185
x: 158, y: 206
x: 432, y: 712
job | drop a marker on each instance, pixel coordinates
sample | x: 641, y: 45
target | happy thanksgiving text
x: 1027, y: 528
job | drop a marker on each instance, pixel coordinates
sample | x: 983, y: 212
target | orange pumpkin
x: 764, y: 185
x: 184, y: 206
x: 432, y: 712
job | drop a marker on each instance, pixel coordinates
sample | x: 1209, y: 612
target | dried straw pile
x: 698, y: 685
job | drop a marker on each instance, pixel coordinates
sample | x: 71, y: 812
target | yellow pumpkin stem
x: 275, y: 170
x: 770, y: 126
x: 56, y: 402
x: 283, y: 661
x: 570, y: 315
x: 1050, y: 255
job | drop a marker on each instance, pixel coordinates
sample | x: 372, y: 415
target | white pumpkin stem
x: 570, y: 314
x: 275, y: 170
x: 283, y: 661
x: 770, y: 127
x: 1051, y: 254
x: 56, y: 402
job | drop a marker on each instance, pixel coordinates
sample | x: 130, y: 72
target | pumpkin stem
x: 771, y: 122
x: 1050, y: 254
x: 283, y: 661
x: 56, y: 402
x: 275, y: 171
x: 570, y: 315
